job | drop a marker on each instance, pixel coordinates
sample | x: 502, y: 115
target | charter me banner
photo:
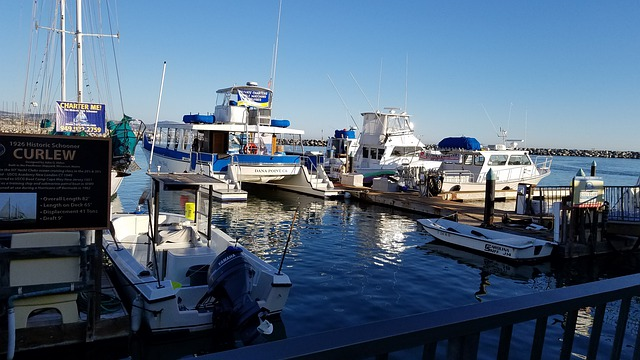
x: 253, y: 97
x: 78, y: 117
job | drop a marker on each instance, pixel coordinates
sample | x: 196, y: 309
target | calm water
x: 352, y: 263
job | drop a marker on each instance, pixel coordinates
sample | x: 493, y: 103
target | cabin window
x: 365, y: 152
x: 187, y: 138
x: 468, y: 160
x: 478, y: 159
x: 172, y: 139
x: 380, y: 154
x: 373, y: 153
x: 179, y: 138
x: 519, y: 160
x: 495, y: 160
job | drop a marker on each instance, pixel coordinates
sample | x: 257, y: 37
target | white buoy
x: 137, y: 307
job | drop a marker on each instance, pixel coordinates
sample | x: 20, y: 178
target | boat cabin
x: 249, y: 104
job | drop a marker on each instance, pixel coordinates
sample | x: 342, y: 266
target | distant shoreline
x: 10, y: 125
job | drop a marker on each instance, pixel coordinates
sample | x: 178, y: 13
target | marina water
x: 353, y: 263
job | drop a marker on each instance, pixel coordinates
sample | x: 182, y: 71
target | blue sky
x: 558, y: 74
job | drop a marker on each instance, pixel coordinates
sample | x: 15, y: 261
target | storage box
x: 352, y: 179
x: 384, y: 185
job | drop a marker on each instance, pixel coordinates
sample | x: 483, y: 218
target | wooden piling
x: 489, y: 199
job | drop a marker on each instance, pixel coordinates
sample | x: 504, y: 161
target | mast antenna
x: 379, y: 83
x: 406, y: 82
x: 272, y: 79
x: 155, y: 127
x: 343, y: 103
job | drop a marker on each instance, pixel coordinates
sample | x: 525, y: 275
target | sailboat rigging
x: 78, y: 117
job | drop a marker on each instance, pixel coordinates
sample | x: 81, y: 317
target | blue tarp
x: 463, y: 142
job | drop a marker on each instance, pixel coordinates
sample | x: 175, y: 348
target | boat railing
x: 458, y: 176
x: 543, y: 163
x: 315, y: 166
x: 522, y: 326
x: 623, y: 202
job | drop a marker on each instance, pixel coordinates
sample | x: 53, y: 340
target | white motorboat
x: 386, y: 143
x: 239, y: 142
x: 487, y: 241
x: 179, y: 272
x: 465, y: 165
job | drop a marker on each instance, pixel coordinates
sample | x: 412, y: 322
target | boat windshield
x: 397, y: 124
x: 497, y: 160
x: 519, y: 160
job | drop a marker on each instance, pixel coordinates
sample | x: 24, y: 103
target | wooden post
x: 593, y: 168
x: 489, y: 199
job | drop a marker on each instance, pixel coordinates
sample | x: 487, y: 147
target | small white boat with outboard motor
x: 179, y: 272
x: 487, y: 241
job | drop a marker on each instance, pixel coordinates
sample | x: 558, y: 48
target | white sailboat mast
x: 79, y: 47
x: 63, y: 56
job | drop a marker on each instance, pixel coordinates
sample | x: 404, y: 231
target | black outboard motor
x: 235, y: 313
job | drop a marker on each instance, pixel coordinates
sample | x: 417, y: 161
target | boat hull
x: 172, y: 301
x: 240, y: 167
x: 488, y: 242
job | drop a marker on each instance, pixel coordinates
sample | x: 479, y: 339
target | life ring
x: 250, y: 148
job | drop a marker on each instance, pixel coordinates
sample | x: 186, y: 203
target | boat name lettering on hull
x: 495, y: 249
x: 272, y: 171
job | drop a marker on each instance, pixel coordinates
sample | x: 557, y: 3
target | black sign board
x: 50, y: 182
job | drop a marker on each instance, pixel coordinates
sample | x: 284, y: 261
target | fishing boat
x: 487, y: 241
x: 386, y: 143
x: 177, y: 272
x: 239, y: 142
x: 465, y: 164
x: 79, y: 117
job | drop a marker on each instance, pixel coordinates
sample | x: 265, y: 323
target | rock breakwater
x: 533, y: 151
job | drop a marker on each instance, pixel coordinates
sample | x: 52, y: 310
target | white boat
x: 386, y: 143
x: 486, y: 241
x: 78, y: 117
x: 239, y: 142
x: 179, y: 272
x: 465, y: 165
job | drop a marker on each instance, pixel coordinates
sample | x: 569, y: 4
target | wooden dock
x: 620, y: 236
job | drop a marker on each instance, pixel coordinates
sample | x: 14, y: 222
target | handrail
x: 463, y: 326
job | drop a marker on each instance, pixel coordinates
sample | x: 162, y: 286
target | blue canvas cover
x: 347, y: 134
x: 198, y: 119
x: 462, y: 142
x: 283, y: 123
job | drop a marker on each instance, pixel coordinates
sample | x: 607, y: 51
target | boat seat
x: 178, y: 235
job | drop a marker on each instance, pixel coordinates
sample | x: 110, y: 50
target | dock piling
x: 489, y: 199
